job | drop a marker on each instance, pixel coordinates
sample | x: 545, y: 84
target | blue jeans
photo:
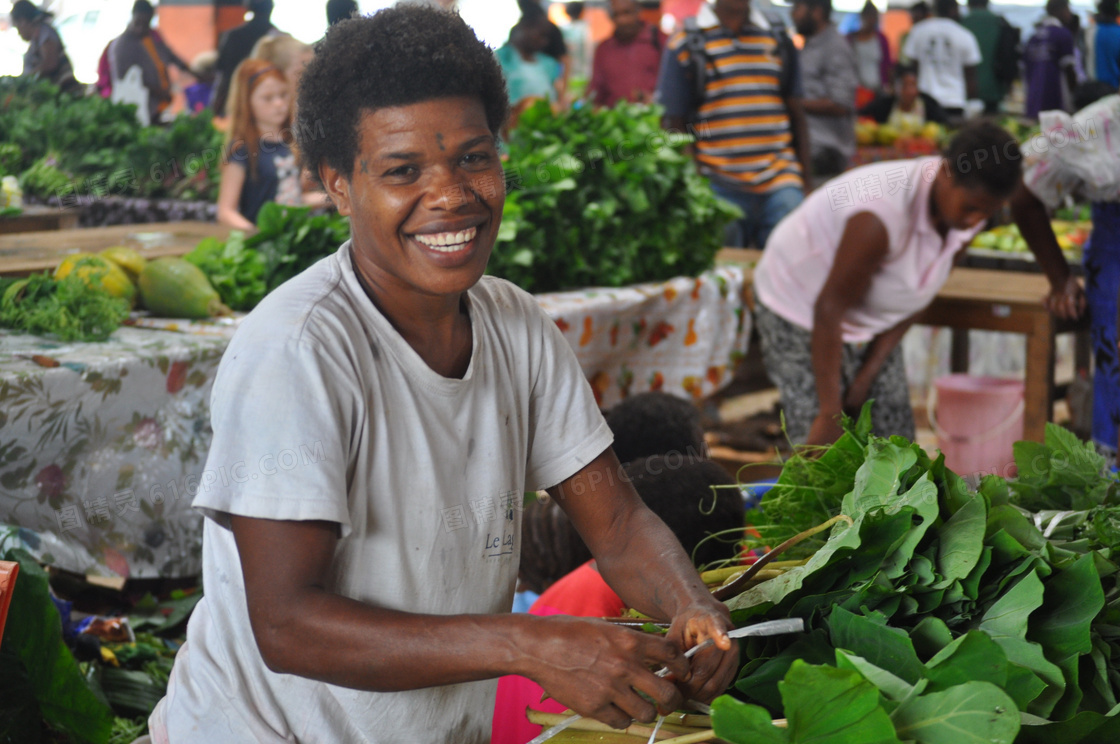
x: 761, y: 213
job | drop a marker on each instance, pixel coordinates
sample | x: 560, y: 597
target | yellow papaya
x: 174, y: 288
x: 96, y: 271
x: 127, y: 258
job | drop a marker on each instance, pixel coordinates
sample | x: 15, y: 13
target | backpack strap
x: 787, y: 53
x: 694, y: 42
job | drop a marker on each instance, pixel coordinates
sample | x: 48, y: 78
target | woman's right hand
x: 825, y: 430
x: 597, y: 669
x: 1066, y: 301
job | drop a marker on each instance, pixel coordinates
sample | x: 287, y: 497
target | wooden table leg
x: 959, y: 351
x: 1082, y: 351
x: 1040, y: 378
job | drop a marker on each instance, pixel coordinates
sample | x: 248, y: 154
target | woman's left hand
x: 1068, y: 301
x: 713, y: 668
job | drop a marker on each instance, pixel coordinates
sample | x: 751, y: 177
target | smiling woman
x: 366, y: 596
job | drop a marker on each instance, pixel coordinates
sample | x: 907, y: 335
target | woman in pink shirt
x: 847, y: 273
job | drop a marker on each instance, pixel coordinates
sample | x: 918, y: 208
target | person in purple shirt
x: 1049, y: 62
x: 626, y: 65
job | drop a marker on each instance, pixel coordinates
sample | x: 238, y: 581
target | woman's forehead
x: 458, y: 118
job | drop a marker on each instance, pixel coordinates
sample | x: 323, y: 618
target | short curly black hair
x: 655, y: 423
x: 985, y: 156
x: 397, y: 57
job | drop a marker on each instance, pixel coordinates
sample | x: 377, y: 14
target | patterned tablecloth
x: 102, y: 445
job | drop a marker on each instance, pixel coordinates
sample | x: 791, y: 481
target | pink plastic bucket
x: 977, y: 421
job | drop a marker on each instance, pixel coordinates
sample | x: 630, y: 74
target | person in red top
x: 696, y: 498
x: 626, y: 65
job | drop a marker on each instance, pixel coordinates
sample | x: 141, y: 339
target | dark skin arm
x: 863, y: 248
x: 678, y: 124
x: 971, y: 83
x: 824, y: 107
x: 880, y: 348
x: 1067, y: 298
x: 52, y: 57
x: 302, y: 628
x: 799, y: 127
x: 627, y: 539
x: 1070, y: 71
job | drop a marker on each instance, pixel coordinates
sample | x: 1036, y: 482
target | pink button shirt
x: 801, y: 250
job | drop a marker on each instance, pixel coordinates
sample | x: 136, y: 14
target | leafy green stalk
x: 68, y: 308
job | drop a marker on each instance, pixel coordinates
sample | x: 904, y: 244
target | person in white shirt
x: 947, y: 55
x: 377, y: 421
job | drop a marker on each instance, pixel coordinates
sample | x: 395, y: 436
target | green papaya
x: 174, y: 288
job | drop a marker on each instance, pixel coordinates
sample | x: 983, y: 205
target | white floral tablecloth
x: 102, y: 445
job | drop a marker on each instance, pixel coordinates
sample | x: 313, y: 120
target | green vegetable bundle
x: 101, y: 147
x: 289, y: 240
x: 940, y: 614
x: 236, y: 272
x: 603, y: 197
x: 46, y: 695
x: 69, y: 308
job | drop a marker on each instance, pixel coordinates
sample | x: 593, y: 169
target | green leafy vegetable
x: 603, y: 198
x: 68, y: 308
x: 965, y: 611
x: 822, y: 704
x: 968, y: 713
x: 39, y: 677
x: 236, y: 272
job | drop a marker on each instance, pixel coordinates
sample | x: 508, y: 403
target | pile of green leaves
x: 46, y: 695
x: 11, y: 155
x: 68, y: 308
x: 236, y: 272
x: 603, y: 197
x: 42, y: 688
x: 289, y: 239
x: 45, y: 179
x: 940, y: 614
x: 181, y: 160
x: 101, y: 147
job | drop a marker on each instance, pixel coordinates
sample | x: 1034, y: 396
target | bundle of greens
x: 603, y: 198
x: 289, y: 240
x: 47, y: 695
x: 101, y: 147
x: 69, y: 308
x: 939, y: 614
x: 11, y: 155
x: 235, y: 271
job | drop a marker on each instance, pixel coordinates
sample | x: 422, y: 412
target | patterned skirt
x: 789, y: 362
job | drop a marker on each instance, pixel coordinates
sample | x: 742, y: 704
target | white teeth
x: 448, y: 242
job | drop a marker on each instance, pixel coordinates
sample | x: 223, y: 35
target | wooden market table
x: 25, y: 253
x: 36, y: 218
x: 991, y: 300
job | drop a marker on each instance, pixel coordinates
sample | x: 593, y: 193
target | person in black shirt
x: 236, y: 45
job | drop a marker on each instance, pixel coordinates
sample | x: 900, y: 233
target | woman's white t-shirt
x: 802, y: 249
x: 322, y: 411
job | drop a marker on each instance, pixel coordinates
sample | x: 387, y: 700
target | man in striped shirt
x: 752, y: 139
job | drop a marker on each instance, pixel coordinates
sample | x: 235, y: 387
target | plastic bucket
x: 977, y: 421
